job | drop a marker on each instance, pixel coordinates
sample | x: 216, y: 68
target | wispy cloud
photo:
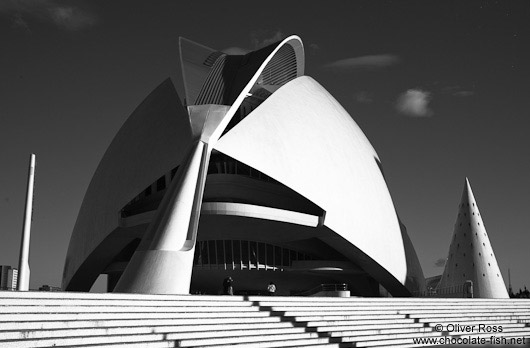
x: 313, y: 48
x: 235, y: 50
x: 262, y: 38
x: 463, y: 93
x: 414, y: 103
x: 458, y: 91
x: 65, y: 15
x: 18, y: 22
x: 362, y: 63
x: 71, y: 18
x: 439, y: 263
x: 258, y: 39
x: 363, y: 97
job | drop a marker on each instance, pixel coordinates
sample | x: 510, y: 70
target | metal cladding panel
x: 471, y: 254
x: 196, y: 62
x: 151, y: 142
x: 248, y: 71
x: 302, y: 137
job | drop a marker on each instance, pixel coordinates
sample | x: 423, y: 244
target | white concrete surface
x: 130, y: 320
x: 471, y: 255
x: 23, y: 261
x: 279, y: 139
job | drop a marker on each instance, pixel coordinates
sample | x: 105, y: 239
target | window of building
x: 161, y: 183
x: 245, y: 252
x: 285, y: 258
x: 240, y: 254
x: 262, y: 255
x: 229, y: 252
x: 236, y: 247
x: 253, y: 251
x: 211, y: 252
x: 147, y: 191
x: 219, y: 245
x: 277, y: 256
x: 174, y: 172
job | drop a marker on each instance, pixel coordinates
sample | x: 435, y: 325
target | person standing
x: 228, y: 288
x: 271, y: 289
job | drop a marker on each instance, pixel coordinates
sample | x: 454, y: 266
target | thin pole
x: 23, y: 263
x: 509, y: 282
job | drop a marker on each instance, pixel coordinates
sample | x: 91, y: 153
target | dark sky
x: 439, y: 87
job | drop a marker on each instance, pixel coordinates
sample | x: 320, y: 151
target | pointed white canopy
x: 471, y: 255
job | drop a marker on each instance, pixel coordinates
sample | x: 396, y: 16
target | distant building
x: 49, y: 288
x: 8, y: 277
x: 432, y: 282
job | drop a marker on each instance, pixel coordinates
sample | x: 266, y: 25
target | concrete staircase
x: 41, y: 319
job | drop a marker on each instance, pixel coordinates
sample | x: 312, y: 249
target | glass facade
x: 244, y: 255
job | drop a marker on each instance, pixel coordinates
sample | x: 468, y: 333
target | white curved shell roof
x: 300, y: 136
x: 303, y: 138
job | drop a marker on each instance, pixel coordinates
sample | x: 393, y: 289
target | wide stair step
x: 39, y: 319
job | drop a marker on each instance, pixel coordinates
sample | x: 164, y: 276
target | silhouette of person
x: 271, y: 288
x: 228, y: 289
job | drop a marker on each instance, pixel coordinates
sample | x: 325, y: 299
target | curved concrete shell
x: 163, y: 261
x: 289, y: 183
x: 415, y: 281
x: 152, y: 141
x: 303, y: 138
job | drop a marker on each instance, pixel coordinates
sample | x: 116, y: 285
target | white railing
x: 464, y: 290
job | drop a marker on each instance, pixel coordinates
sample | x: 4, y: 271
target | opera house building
x: 257, y: 173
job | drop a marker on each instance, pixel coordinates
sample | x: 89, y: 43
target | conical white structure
x: 471, y: 255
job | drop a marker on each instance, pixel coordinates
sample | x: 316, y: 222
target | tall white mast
x: 23, y: 262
